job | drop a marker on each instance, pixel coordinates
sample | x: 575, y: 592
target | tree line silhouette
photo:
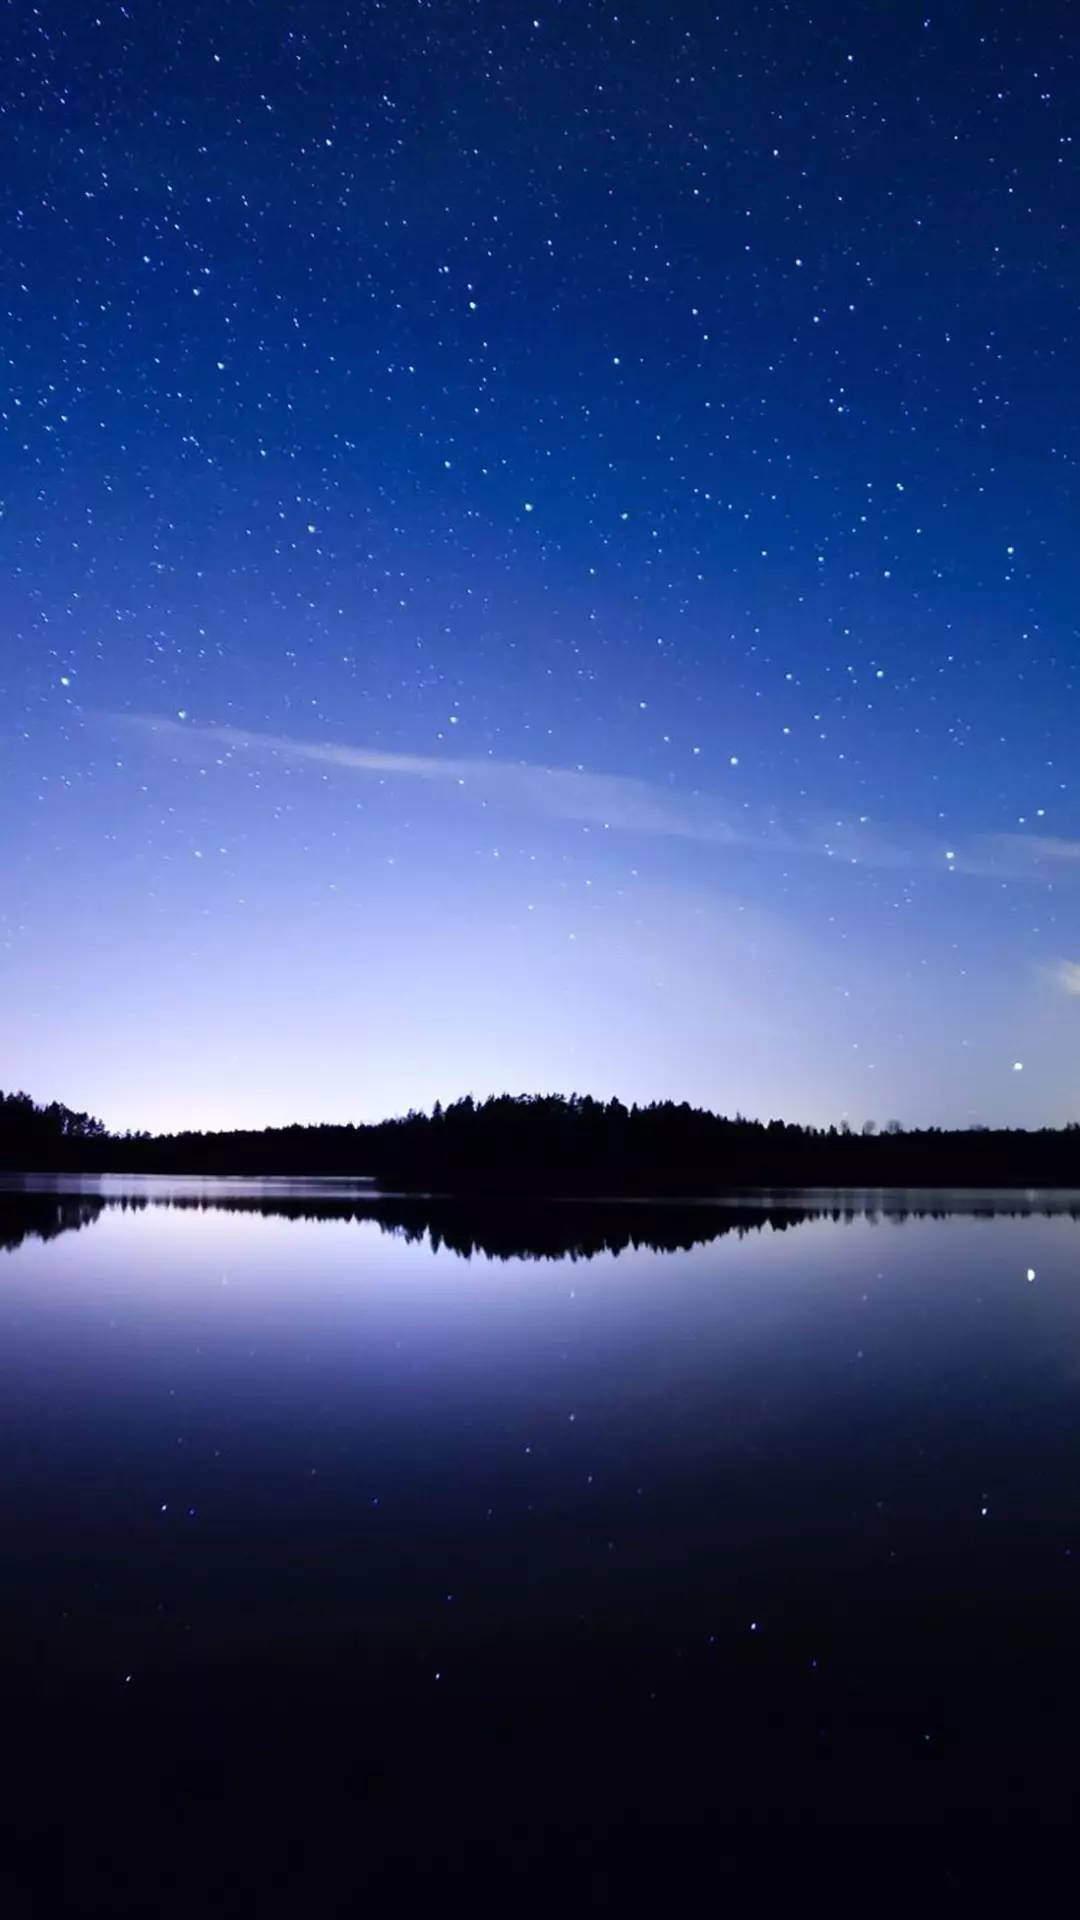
x: 551, y: 1143
x: 50, y: 1133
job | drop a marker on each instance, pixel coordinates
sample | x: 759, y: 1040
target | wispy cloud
x: 565, y: 793
x: 1020, y: 856
x: 621, y: 804
x: 1066, y: 975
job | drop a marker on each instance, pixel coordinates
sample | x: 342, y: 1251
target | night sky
x: 539, y: 551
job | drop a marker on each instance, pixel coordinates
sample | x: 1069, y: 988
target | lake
x: 349, y: 1536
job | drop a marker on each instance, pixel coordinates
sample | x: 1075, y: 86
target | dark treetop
x: 555, y: 1144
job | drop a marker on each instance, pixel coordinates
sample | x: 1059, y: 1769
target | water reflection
x: 546, y: 1230
x: 557, y: 1231
x: 44, y: 1216
x: 386, y: 1478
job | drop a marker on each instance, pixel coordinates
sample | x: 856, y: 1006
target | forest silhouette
x: 555, y: 1144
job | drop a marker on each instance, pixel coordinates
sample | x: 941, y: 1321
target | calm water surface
x: 623, y: 1518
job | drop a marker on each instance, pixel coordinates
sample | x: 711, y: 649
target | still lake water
x: 325, y: 1512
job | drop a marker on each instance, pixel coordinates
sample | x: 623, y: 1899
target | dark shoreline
x: 540, y: 1146
x: 479, y: 1191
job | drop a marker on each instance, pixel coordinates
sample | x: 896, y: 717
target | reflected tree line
x: 553, y: 1144
x: 575, y: 1230
x: 44, y: 1216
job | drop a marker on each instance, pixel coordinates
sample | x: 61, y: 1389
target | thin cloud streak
x: 1066, y: 975
x: 608, y: 800
x: 1019, y: 856
x: 622, y: 804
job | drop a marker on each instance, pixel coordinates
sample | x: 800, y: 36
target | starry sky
x: 539, y: 552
